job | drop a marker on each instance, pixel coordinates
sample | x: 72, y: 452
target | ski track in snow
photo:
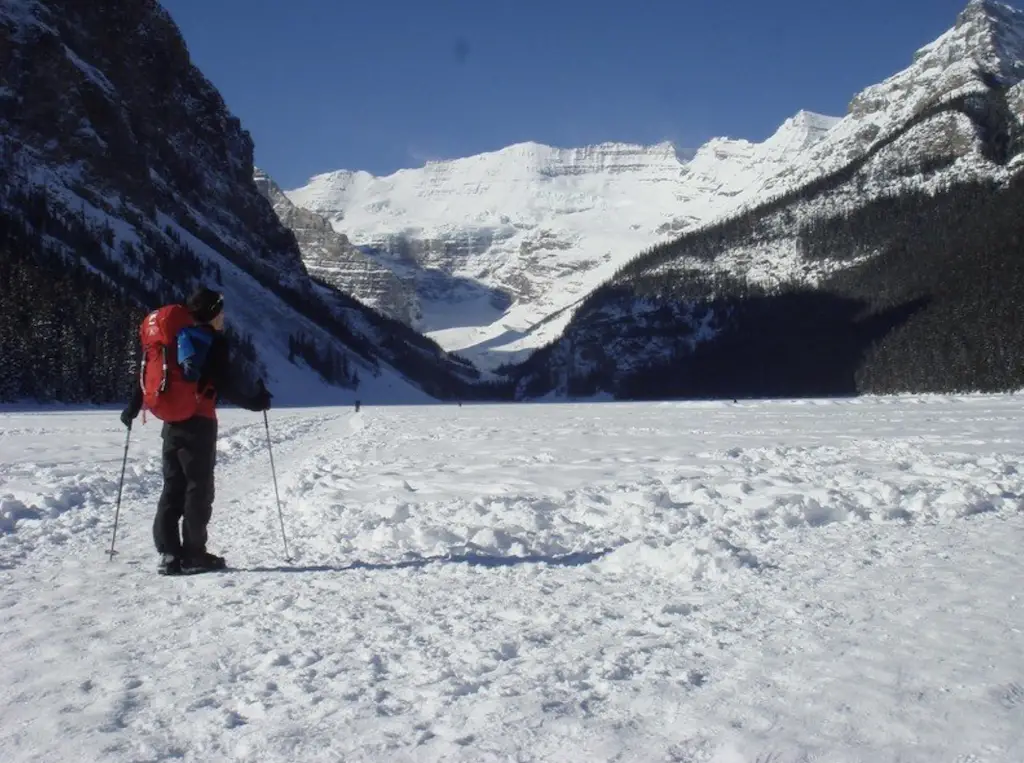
x: 702, y: 582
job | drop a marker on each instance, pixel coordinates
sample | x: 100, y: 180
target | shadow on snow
x: 577, y: 559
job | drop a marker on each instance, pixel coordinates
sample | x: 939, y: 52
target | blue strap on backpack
x: 193, y: 346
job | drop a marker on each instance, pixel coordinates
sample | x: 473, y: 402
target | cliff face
x: 330, y: 257
x: 105, y: 96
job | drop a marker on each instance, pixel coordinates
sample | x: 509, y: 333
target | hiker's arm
x: 135, y: 401
x: 236, y: 391
x: 229, y: 382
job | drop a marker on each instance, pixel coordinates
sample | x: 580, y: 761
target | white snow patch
x: 91, y: 73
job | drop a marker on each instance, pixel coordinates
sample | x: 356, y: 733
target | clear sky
x: 379, y: 85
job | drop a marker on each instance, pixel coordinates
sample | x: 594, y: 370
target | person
x: 190, y: 446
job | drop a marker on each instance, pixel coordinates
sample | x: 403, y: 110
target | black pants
x: 189, y: 456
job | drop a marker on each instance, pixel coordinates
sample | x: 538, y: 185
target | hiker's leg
x: 198, y: 459
x: 169, y: 508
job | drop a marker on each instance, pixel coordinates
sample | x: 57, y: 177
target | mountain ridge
x: 543, y: 226
x: 500, y: 233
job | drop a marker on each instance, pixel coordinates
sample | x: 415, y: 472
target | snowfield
x: 787, y: 581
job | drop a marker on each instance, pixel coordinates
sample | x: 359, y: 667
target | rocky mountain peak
x: 117, y: 106
x: 119, y: 156
x: 997, y: 30
x: 987, y: 41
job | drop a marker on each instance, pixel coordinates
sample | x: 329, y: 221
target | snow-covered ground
x: 761, y: 581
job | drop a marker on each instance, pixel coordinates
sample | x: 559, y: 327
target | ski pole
x: 280, y: 515
x: 120, y: 487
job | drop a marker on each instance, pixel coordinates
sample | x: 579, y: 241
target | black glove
x: 262, y: 400
x: 128, y: 416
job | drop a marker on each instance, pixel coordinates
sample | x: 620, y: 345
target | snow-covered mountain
x: 895, y: 267
x: 984, y: 47
x: 120, y: 162
x: 500, y: 244
x: 953, y: 116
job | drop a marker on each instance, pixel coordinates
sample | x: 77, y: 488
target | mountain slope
x: 899, y: 271
x: 509, y: 242
x: 986, y: 44
x: 330, y: 257
x: 503, y: 241
x: 119, y: 158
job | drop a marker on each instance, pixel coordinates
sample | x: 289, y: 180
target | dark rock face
x: 109, y: 88
x: 331, y: 257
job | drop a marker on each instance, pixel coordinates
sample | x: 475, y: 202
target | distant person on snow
x: 185, y: 370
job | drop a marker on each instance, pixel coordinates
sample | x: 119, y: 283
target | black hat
x: 205, y: 304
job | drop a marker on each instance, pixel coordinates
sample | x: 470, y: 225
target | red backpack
x: 167, y: 390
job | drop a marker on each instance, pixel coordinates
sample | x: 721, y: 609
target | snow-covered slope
x: 501, y: 243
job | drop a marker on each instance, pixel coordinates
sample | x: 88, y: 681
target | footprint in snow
x: 1011, y: 696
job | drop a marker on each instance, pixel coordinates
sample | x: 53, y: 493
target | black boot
x: 169, y: 565
x: 203, y: 562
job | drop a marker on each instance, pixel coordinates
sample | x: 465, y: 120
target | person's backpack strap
x: 193, y: 347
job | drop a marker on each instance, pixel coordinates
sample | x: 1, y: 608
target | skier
x: 182, y: 387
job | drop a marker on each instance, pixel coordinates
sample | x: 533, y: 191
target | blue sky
x: 379, y: 85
